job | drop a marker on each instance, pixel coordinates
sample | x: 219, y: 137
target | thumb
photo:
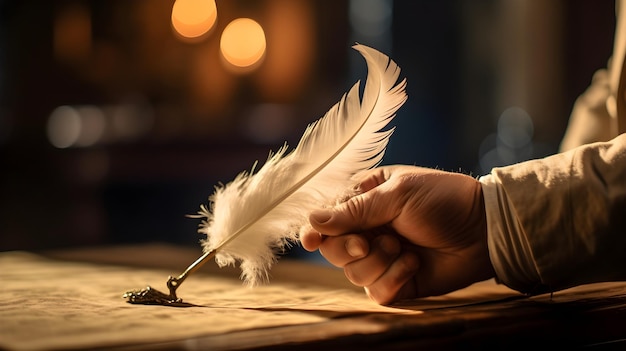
x: 361, y: 212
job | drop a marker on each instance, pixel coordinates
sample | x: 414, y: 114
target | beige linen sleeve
x: 560, y: 221
x: 590, y: 120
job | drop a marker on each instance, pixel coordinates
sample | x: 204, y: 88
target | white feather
x: 254, y: 217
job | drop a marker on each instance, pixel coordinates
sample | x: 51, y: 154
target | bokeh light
x: 243, y: 42
x: 81, y: 126
x: 193, y: 18
x: 512, y: 143
x: 64, y: 127
x: 370, y: 17
x: 89, y: 125
x: 92, y: 125
x: 515, y: 127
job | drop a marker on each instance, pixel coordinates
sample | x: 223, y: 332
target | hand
x: 409, y: 232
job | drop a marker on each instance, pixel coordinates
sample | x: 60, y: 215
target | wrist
x: 484, y: 266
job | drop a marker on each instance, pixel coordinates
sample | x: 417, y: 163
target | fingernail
x: 354, y: 248
x: 321, y: 216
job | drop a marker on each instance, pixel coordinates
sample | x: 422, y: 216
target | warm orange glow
x: 243, y: 42
x: 211, y: 88
x: 289, y: 62
x: 193, y: 18
x: 72, y: 34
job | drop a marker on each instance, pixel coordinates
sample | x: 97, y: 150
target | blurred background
x: 118, y: 117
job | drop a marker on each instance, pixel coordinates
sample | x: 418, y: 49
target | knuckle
x: 407, y: 266
x: 409, y: 263
x: 405, y: 183
x: 353, y: 276
x: 389, y: 245
x: 354, y: 207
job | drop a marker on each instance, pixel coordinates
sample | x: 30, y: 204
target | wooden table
x: 72, y: 300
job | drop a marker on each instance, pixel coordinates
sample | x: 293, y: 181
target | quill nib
x: 151, y: 296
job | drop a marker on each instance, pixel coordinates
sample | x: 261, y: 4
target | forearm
x: 559, y: 221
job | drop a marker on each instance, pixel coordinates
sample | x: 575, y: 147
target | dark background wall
x: 185, y: 123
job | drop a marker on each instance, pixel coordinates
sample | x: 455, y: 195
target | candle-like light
x: 243, y: 42
x: 193, y: 18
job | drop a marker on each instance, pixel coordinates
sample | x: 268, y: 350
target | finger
x: 341, y: 250
x: 370, y: 179
x: 374, y: 177
x: 397, y: 282
x: 365, y: 211
x: 383, y: 251
x: 310, y: 238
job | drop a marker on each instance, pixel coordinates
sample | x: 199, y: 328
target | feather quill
x: 257, y: 215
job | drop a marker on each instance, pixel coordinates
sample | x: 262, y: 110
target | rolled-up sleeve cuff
x: 509, y: 251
